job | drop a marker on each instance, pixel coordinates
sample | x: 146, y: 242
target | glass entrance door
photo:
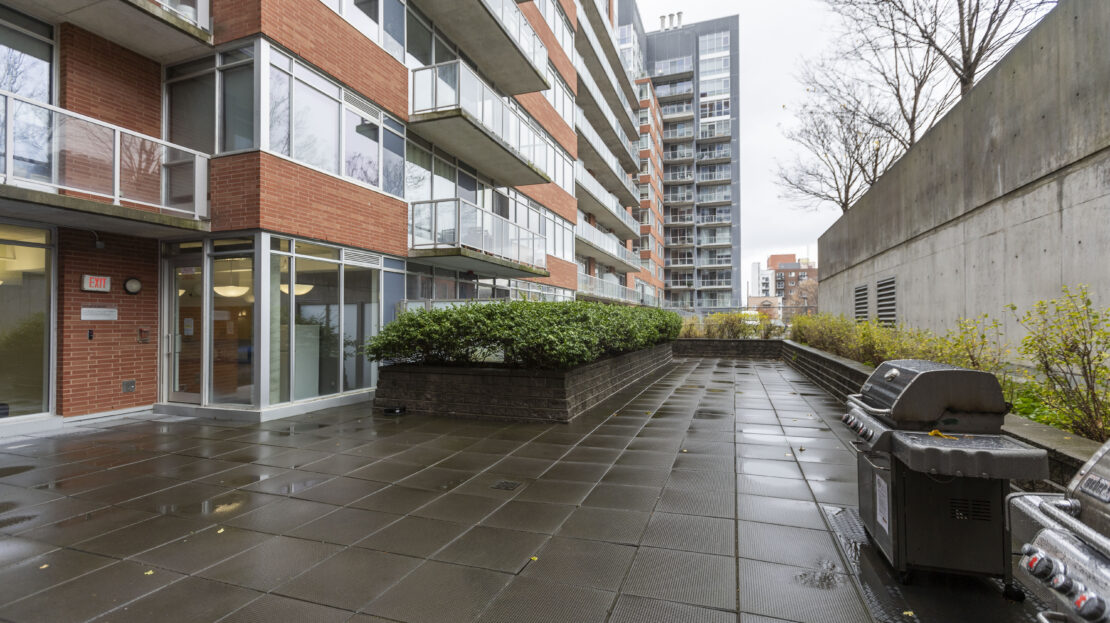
x: 185, y: 330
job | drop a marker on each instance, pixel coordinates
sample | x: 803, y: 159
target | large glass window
x: 315, y: 127
x: 316, y: 333
x: 363, y: 143
x: 280, y: 293
x: 25, y: 289
x: 26, y: 56
x: 232, y: 329
x: 360, y: 322
x: 191, y: 100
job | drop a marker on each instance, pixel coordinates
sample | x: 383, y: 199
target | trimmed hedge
x: 522, y: 334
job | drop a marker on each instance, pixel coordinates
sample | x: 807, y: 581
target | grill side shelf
x: 977, y: 456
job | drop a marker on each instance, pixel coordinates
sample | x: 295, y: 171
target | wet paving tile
x: 460, y: 594
x: 559, y: 603
x: 42, y: 572
x: 86, y: 525
x: 635, y: 609
x: 281, y: 516
x: 603, y: 524
x: 581, y: 563
x: 707, y: 580
x: 14, y: 549
x: 272, y: 563
x: 352, y: 578
x: 202, y: 549
x: 277, y: 608
x: 345, y: 526
x: 413, y: 536
x: 179, y: 603
x: 491, y: 548
x: 340, y: 490
x: 397, y: 500
x: 89, y: 595
x: 24, y: 518
x: 530, y: 516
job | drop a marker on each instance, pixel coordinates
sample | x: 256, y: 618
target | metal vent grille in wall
x: 358, y: 103
x: 362, y: 258
x: 860, y: 307
x: 886, y: 301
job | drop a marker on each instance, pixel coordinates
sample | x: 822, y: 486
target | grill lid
x: 918, y: 394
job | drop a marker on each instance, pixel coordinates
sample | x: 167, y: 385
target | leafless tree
x: 969, y: 36
x: 844, y: 154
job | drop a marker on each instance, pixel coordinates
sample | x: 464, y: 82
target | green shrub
x: 522, y: 334
x: 1068, y: 342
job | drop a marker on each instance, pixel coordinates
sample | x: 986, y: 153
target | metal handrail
x: 40, y: 140
x: 456, y: 223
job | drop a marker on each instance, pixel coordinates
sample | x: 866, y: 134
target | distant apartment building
x: 693, y: 71
x: 789, y: 280
x: 209, y: 205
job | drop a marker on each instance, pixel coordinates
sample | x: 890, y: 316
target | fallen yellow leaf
x: 534, y: 558
x: 149, y: 572
x: 220, y: 531
x: 44, y: 566
x: 937, y: 433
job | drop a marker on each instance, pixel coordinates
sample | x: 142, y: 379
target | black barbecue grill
x: 934, y: 468
x: 1064, y: 545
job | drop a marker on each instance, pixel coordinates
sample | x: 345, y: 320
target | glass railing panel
x: 195, y: 11
x: 520, y: 31
x: 453, y: 223
x: 56, y: 148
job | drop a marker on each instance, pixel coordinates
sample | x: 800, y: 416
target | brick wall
x: 502, y: 394
x: 90, y: 372
x: 555, y: 53
x: 564, y: 274
x: 105, y: 81
x: 323, y: 38
x: 264, y: 191
x: 744, y: 349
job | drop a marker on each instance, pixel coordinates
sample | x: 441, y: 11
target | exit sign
x: 96, y: 283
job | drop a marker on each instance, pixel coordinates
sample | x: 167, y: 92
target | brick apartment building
x: 208, y: 205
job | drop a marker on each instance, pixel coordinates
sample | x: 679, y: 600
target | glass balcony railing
x: 678, y: 154
x: 618, y: 66
x: 675, y: 110
x: 715, y: 260
x: 723, y: 194
x: 715, y: 283
x: 678, y: 240
x: 670, y: 90
x: 687, y: 283
x: 457, y: 223
x: 714, y: 176
x: 195, y: 11
x: 586, y: 79
x: 453, y: 85
x: 588, y: 284
x: 678, y: 262
x: 674, y: 66
x: 717, y: 217
x: 585, y: 28
x: 678, y: 219
x: 606, y: 243
x: 587, y: 131
x: 711, y: 240
x: 604, y: 197
x: 715, y: 129
x: 678, y: 177
x: 52, y: 147
x: 508, y: 13
x: 678, y: 134
x: 686, y: 197
x: 715, y: 154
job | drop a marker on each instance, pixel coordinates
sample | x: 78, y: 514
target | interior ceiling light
x: 231, y: 292
x: 299, y: 289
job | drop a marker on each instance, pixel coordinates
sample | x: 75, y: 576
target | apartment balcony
x: 592, y: 242
x: 604, y: 122
x: 674, y: 69
x: 679, y: 285
x: 715, y: 218
x: 679, y: 178
x: 715, y: 241
x: 717, y: 261
x: 458, y: 235
x: 678, y: 241
x: 596, y: 63
x: 594, y: 199
x: 716, y: 156
x: 677, y: 112
x: 460, y: 113
x: 666, y: 93
x: 497, y: 37
x: 678, y: 156
x: 66, y: 162
x: 678, y: 136
x: 711, y: 199
x: 716, y: 132
x: 597, y: 156
x: 679, y: 262
x: 715, y: 284
x: 599, y: 22
x: 679, y: 219
x: 591, y: 288
x: 162, y: 30
x: 677, y: 199
x: 714, y: 178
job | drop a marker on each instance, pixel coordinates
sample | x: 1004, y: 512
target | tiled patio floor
x: 697, y: 500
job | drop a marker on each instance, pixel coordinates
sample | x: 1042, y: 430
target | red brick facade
x: 90, y: 371
x: 321, y: 37
x: 553, y: 198
x: 564, y: 274
x: 108, y: 82
x: 259, y: 190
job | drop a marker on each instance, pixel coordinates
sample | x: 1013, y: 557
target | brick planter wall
x: 836, y: 375
x: 748, y: 349
x: 505, y: 394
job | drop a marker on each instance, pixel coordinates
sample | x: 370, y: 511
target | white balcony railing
x: 718, y: 217
x: 606, y: 243
x: 678, y: 154
x: 585, y: 28
x: 49, y: 147
x: 587, y: 131
x: 614, y: 291
x: 456, y: 223
x: 520, y: 30
x: 677, y: 262
x: 450, y: 85
x: 715, y: 154
x: 587, y: 80
x: 604, y: 197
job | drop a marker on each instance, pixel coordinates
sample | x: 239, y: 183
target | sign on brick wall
x: 96, y: 283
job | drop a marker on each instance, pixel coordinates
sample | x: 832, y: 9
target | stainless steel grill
x: 934, y: 468
x: 1065, y: 552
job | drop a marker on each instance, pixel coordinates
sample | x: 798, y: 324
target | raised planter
x: 709, y: 347
x: 507, y: 394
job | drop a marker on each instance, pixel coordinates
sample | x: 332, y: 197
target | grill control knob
x: 1039, y: 565
x: 1061, y: 583
x: 844, y: 418
x: 1090, y: 606
x: 870, y: 434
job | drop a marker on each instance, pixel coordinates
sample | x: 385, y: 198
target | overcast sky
x: 774, y: 36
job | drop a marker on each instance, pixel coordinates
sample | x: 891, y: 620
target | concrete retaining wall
x: 504, y: 394
x: 1004, y: 200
